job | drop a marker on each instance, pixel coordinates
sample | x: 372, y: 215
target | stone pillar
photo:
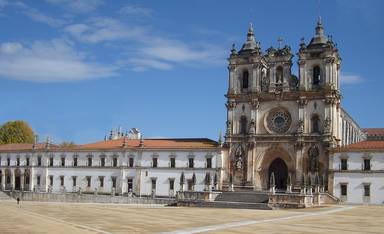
x: 255, y: 78
x: 232, y: 72
x: 31, y: 179
x: 22, y: 182
x: 13, y: 178
x: 3, y: 180
x: 302, y: 75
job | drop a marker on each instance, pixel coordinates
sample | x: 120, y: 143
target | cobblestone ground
x: 35, y: 217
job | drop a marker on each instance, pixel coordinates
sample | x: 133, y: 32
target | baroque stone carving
x: 279, y: 121
x: 300, y: 126
x: 327, y: 125
x: 229, y: 128
x: 252, y: 127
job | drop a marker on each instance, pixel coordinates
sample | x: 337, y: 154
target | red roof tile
x: 374, y: 131
x: 362, y: 146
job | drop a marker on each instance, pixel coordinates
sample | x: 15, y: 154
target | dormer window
x: 245, y: 80
x: 316, y: 76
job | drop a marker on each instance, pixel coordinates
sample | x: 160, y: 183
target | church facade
x: 280, y: 123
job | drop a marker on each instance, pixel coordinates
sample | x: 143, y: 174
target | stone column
x: 3, y: 180
x: 22, y: 181
x: 231, y: 83
x: 31, y: 179
x: 13, y: 178
x: 302, y: 75
x: 299, y: 163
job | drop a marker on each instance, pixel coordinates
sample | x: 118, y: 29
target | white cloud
x: 135, y: 11
x: 144, y: 64
x: 50, y: 61
x: 102, y: 29
x: 78, y: 6
x: 350, y: 79
x: 42, y: 18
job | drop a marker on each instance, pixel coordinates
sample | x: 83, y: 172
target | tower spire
x: 250, y: 43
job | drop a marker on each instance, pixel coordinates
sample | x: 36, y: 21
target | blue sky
x: 74, y: 69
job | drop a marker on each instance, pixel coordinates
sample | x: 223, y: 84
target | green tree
x: 16, y: 132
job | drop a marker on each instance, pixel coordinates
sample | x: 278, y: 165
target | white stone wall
x: 141, y: 173
x: 355, y: 177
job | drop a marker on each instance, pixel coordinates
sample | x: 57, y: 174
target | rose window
x: 279, y: 121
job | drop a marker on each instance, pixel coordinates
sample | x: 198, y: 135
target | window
x: 88, y: 181
x: 243, y: 125
x: 130, y: 184
x: 38, y: 182
x: 89, y: 162
x: 153, y: 184
x: 27, y: 179
x: 171, y: 184
x: 101, y: 181
x: 39, y: 161
x: 315, y: 122
x: 209, y: 162
x: 51, y: 180
x: 102, y: 162
x: 344, y: 164
x: 367, y: 190
x: 0, y: 161
x: 279, y: 74
x: 51, y: 161
x: 130, y: 162
x: 316, y: 76
x: 343, y: 188
x: 8, y: 162
x: 27, y: 162
x: 75, y: 161
x: 190, y: 162
x: 113, y: 182
x: 63, y: 161
x: 74, y: 178
x: 245, y: 80
x: 173, y: 162
x: 62, y: 180
x: 18, y: 162
x: 114, y: 162
x: 154, y: 162
x: 367, y: 164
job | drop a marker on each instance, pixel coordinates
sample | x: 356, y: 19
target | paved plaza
x: 35, y: 217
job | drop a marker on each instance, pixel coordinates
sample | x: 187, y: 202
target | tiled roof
x: 374, y: 131
x: 178, y: 143
x: 25, y: 146
x: 182, y: 143
x: 362, y: 146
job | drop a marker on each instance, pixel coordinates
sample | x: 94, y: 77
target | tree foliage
x: 16, y: 132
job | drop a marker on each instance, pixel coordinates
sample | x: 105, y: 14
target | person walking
x: 18, y: 200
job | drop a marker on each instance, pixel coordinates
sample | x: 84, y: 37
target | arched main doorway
x: 280, y: 171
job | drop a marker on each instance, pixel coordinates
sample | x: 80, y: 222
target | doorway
x: 280, y: 171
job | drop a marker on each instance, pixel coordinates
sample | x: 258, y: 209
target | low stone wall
x: 197, y: 196
x: 88, y: 198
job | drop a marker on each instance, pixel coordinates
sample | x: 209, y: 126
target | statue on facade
x: 252, y: 127
x: 264, y: 80
x: 300, y: 126
x: 229, y: 128
x: 327, y: 125
x: 313, y: 158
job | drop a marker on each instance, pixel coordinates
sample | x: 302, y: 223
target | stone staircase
x: 4, y: 196
x: 247, y: 197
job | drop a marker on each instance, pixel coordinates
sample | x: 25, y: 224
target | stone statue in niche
x: 229, y: 127
x: 252, y: 127
x: 327, y: 125
x: 239, y: 163
x: 300, y: 126
x: 313, y: 158
x: 264, y: 80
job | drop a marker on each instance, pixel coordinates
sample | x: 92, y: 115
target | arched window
x: 315, y: 123
x: 316, y: 75
x: 279, y: 74
x: 243, y: 125
x: 245, y: 80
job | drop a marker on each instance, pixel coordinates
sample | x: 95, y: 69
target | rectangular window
x: 130, y: 185
x: 101, y: 181
x: 102, y: 162
x: 89, y: 162
x: 38, y: 182
x: 39, y: 161
x: 27, y: 162
x: 88, y: 181
x: 343, y: 189
x: 154, y: 162
x: 171, y: 184
x: 63, y: 161
x: 209, y: 162
x: 173, y: 162
x: 74, y: 181
x: 344, y: 164
x: 114, y: 162
x: 18, y: 162
x: 51, y: 180
x: 153, y: 184
x: 75, y: 161
x: 8, y: 162
x: 62, y: 180
x: 190, y: 162
x: 113, y: 182
x: 51, y: 161
x: 367, y: 164
x: 367, y: 190
x: 130, y: 162
x: 27, y: 180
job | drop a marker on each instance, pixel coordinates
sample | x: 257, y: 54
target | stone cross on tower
x: 280, y: 40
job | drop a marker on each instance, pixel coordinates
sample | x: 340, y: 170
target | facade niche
x: 315, y: 123
x: 243, y: 125
x: 316, y: 76
x: 245, y: 80
x: 279, y: 74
